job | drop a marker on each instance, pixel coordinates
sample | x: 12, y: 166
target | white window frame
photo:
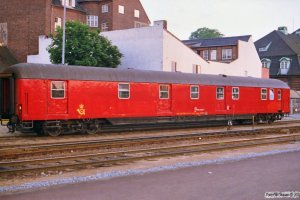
x: 57, y: 23
x: 136, y: 13
x: 104, y: 8
x: 196, y: 69
x: 121, y: 9
x: 264, y: 94
x: 266, y: 62
x: 164, y: 91
x: 92, y: 21
x: 205, y: 54
x: 218, y: 93
x: 271, y: 94
x: 213, y: 54
x: 104, y: 26
x: 173, y: 66
x: 279, y: 95
x: 122, y: 90
x: 284, y: 64
x: 235, y: 93
x: 197, y: 93
x: 55, y: 89
x: 227, y: 54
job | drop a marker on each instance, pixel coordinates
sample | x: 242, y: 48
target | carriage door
x: 221, y: 98
x: 164, y: 101
x: 57, y: 97
x: 7, y: 103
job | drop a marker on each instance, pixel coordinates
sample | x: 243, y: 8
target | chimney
x: 283, y: 29
x: 162, y: 23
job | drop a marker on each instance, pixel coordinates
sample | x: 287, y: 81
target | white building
x: 155, y: 48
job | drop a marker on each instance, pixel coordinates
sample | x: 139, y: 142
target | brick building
x: 22, y: 22
x: 280, y: 51
x: 229, y: 50
x: 223, y: 49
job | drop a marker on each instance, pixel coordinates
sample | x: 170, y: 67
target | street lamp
x: 64, y: 35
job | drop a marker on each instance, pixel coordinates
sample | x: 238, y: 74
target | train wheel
x: 92, y: 128
x: 54, y: 132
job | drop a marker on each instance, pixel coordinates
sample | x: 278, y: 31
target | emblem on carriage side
x: 81, y: 110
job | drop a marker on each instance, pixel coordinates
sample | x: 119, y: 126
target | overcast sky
x: 230, y: 17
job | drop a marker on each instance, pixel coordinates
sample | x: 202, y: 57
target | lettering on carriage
x: 81, y: 110
x: 198, y: 109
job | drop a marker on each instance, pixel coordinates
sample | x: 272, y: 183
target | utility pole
x: 64, y: 35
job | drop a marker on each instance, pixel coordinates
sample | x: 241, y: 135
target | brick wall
x: 24, y: 22
x: 127, y: 20
x: 71, y: 14
x: 219, y: 52
x: 27, y: 20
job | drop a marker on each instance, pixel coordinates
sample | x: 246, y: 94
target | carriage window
x: 263, y: 94
x: 279, y: 94
x: 235, y: 93
x: 194, y: 92
x: 58, y: 89
x: 124, y: 91
x: 271, y: 94
x: 220, y: 93
x: 163, y: 91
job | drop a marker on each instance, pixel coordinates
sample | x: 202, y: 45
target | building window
x: 284, y: 65
x: 205, y: 54
x: 121, y: 9
x: 164, y: 92
x: 58, y: 89
x: 139, y: 24
x: 194, y: 93
x: 265, y: 48
x: 266, y: 63
x: 137, y: 13
x: 220, y: 93
x: 69, y: 3
x: 104, y: 27
x: 92, y: 20
x: 173, y: 66
x: 279, y: 94
x: 235, y: 93
x: 57, y: 23
x: 271, y: 94
x: 226, y: 54
x: 196, y: 69
x: 213, y: 54
x: 124, y: 91
x: 263, y: 95
x: 104, y: 8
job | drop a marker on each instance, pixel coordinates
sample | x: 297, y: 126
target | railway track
x: 14, y: 151
x: 133, y: 128
x: 70, y: 163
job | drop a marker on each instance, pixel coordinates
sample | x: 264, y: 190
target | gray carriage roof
x: 61, y: 72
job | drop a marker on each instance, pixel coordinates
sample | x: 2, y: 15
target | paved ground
x: 244, y: 179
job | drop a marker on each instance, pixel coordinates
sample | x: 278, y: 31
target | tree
x: 204, y: 33
x: 83, y: 47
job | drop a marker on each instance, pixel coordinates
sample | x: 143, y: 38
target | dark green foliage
x: 204, y: 33
x: 83, y: 47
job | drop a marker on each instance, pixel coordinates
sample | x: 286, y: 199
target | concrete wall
x: 43, y: 56
x: 175, y: 51
x: 142, y: 47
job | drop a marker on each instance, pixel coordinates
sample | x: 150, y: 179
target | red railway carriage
x: 53, y: 98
